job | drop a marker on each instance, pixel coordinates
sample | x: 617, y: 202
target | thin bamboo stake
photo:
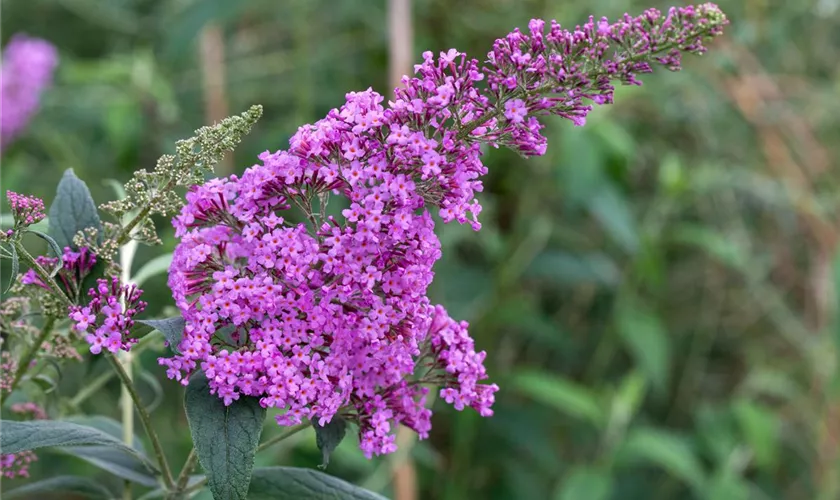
x: 212, y: 53
x: 400, y: 47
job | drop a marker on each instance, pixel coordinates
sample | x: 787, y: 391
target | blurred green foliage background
x: 657, y: 294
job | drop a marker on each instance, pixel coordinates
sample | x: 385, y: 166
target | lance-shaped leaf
x: 292, y: 483
x: 22, y: 436
x: 72, y: 210
x: 171, y: 328
x: 328, y: 437
x: 76, y: 487
x: 109, y: 459
x: 225, y: 437
x: 15, y: 268
x: 55, y: 249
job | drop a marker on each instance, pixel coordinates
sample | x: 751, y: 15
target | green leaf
x: 611, y: 209
x: 625, y: 403
x: 118, y: 188
x: 630, y: 393
x: 760, y: 427
x: 185, y: 25
x: 572, y: 270
x: 774, y: 383
x: 46, y: 383
x: 162, y: 493
x: 716, y: 245
x: 78, y: 487
x: 582, y: 165
x: 585, y: 483
x: 328, y: 437
x: 58, y: 252
x: 158, y: 265
x: 616, y: 140
x: 154, y: 385
x: 292, y: 483
x: 108, y: 425
x: 171, y: 328
x: 15, y: 267
x: 225, y: 437
x: 727, y: 485
x: 672, y: 175
x: 140, y: 330
x: 565, y: 395
x: 22, y: 436
x: 646, y: 339
x: 72, y: 211
x: 114, y: 461
x: 113, y: 16
x: 669, y: 451
x: 715, y: 433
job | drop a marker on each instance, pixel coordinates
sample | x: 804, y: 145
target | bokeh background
x: 657, y: 294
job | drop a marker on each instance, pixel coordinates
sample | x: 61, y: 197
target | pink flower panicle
x: 109, y: 316
x: 28, y: 66
x: 557, y: 72
x: 26, y: 210
x: 8, y: 368
x: 29, y: 409
x: 76, y: 266
x: 14, y: 465
x: 331, y: 317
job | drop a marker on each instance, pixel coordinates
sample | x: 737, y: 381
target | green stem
x: 481, y: 120
x: 127, y: 411
x: 184, y: 477
x: 144, y: 418
x: 289, y: 433
x: 90, y: 389
x: 93, y: 387
x: 29, y: 355
x: 42, y: 273
x: 271, y: 442
x: 125, y: 233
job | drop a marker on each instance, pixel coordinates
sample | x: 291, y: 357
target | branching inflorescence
x: 330, y: 318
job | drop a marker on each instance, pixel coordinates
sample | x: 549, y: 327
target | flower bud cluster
x: 26, y: 210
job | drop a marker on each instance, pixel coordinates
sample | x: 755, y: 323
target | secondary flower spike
x: 26, y: 210
x: 27, y: 69
x: 329, y: 318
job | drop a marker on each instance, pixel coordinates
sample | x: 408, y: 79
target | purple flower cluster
x: 330, y: 317
x: 333, y: 318
x: 28, y: 65
x: 26, y: 210
x: 559, y: 71
x: 75, y: 267
x: 109, y: 316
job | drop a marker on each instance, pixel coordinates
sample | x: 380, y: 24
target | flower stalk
x: 145, y: 419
